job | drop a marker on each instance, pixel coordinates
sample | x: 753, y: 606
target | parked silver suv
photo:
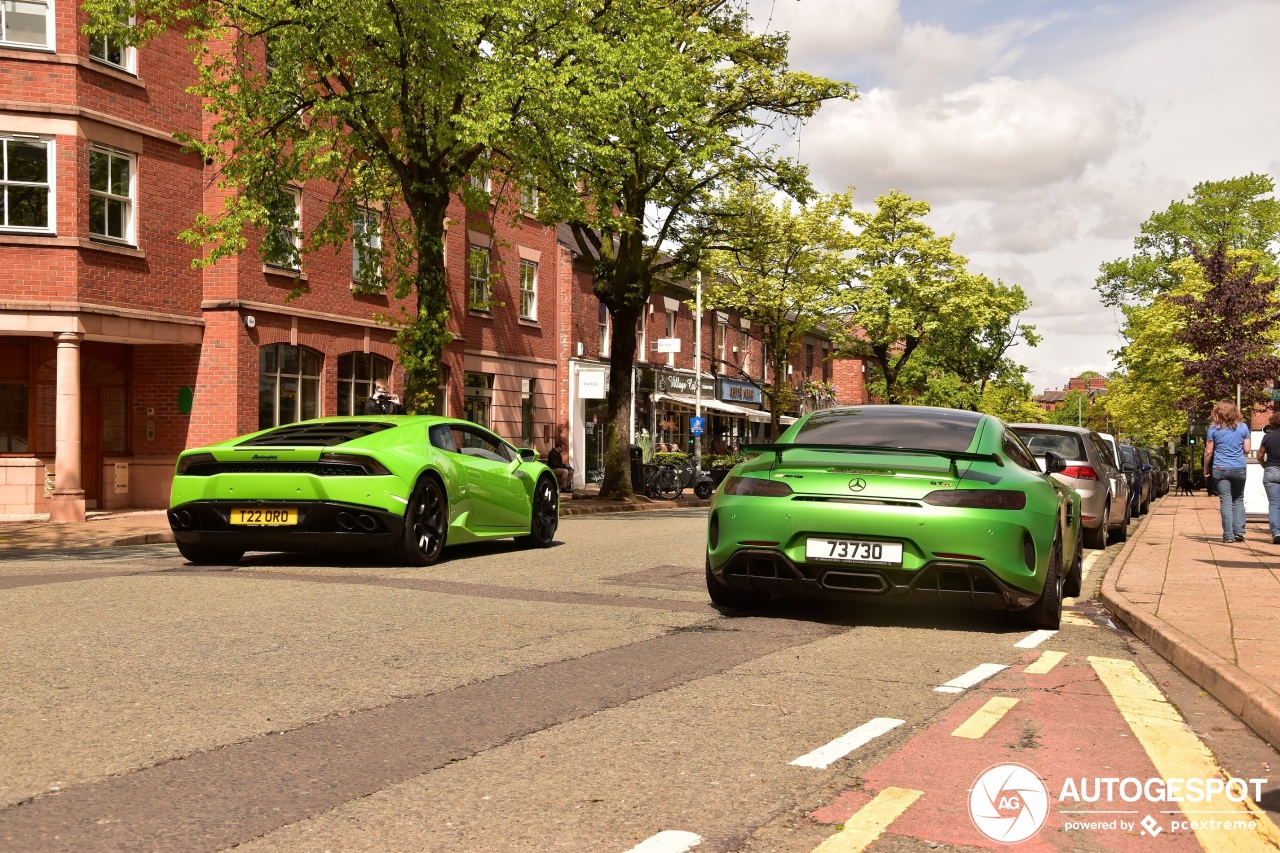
x: 1091, y: 471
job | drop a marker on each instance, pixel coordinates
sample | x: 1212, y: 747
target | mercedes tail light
x: 756, y: 487
x: 977, y: 498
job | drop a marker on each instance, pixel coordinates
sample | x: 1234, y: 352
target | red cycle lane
x: 1067, y: 729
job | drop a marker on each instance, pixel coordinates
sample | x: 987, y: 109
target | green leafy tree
x: 391, y: 103
x: 908, y: 289
x: 779, y: 265
x: 1240, y: 212
x: 675, y: 100
x: 1143, y: 396
x: 1010, y: 400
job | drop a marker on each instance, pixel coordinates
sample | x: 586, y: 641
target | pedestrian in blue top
x: 1225, y: 450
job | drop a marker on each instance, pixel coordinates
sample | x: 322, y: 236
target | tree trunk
x: 617, y: 429
x: 422, y: 342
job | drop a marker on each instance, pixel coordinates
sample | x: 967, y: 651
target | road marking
x: 823, y: 756
x: 866, y: 825
x: 1033, y: 640
x: 1044, y: 663
x: 668, y: 841
x: 1088, y: 564
x: 981, y: 672
x: 985, y: 717
x: 1178, y: 754
x: 1077, y: 619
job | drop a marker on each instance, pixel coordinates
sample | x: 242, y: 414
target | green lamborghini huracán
x: 404, y: 486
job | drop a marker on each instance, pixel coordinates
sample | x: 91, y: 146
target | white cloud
x: 825, y: 33
x: 930, y: 59
x: 983, y: 141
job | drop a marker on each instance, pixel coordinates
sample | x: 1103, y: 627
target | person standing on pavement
x: 1269, y: 456
x: 1224, y: 460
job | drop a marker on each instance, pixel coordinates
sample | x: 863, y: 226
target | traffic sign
x: 697, y: 426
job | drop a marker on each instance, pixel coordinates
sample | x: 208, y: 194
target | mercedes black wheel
x: 1047, y: 612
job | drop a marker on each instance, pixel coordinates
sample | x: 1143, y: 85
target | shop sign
x: 593, y: 384
x: 733, y: 391
x: 683, y: 383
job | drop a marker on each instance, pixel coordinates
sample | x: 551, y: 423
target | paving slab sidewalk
x: 144, y: 527
x: 1208, y: 607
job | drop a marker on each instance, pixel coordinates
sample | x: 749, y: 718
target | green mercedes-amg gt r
x: 405, y: 485
x: 896, y: 503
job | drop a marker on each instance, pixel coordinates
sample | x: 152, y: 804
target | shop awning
x: 721, y: 407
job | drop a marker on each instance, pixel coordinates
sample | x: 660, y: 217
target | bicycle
x: 662, y: 481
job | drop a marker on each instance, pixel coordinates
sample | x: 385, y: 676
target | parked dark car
x: 1140, y: 482
x: 1153, y: 479
x: 1160, y: 474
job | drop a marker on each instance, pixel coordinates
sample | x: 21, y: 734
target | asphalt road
x: 581, y: 698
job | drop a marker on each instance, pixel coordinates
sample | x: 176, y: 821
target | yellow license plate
x: 263, y: 517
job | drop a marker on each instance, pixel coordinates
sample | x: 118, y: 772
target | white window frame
x: 671, y: 333
x: 528, y: 290
x: 128, y: 55
x: 479, y: 176
x: 529, y: 197
x: 49, y: 29
x: 361, y: 240
x: 295, y: 232
x: 605, y: 320
x: 129, y: 199
x: 51, y: 174
x: 642, y: 336
x: 477, y: 284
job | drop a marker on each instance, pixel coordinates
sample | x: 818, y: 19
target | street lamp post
x: 697, y: 369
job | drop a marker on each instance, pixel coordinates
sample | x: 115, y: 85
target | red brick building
x: 116, y: 354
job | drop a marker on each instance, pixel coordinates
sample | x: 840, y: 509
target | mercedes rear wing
x: 953, y: 456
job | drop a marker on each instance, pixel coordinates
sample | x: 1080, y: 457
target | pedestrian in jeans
x: 1224, y: 454
x: 1269, y: 456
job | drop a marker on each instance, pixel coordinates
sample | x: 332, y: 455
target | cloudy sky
x: 1043, y: 132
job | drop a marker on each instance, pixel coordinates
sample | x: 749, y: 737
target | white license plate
x: 854, y: 551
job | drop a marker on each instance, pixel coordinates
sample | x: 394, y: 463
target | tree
x: 672, y: 104
x: 1142, y: 397
x: 908, y: 287
x: 1230, y: 329
x: 391, y: 103
x: 779, y: 265
x: 1011, y: 402
x: 1240, y: 212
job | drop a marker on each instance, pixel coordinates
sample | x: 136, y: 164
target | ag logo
x: 857, y: 484
x: 1008, y: 803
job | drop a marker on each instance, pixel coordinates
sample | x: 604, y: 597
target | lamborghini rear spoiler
x: 953, y: 456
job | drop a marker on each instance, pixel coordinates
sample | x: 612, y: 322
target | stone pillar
x: 68, y: 493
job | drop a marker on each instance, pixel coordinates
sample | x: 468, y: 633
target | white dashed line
x: 668, y: 841
x: 823, y: 756
x: 979, y: 673
x: 1034, y: 640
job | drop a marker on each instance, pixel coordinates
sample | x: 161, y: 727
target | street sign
x: 666, y: 345
x: 697, y: 426
x: 1275, y: 395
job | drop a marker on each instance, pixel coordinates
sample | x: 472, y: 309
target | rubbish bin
x: 637, y: 469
